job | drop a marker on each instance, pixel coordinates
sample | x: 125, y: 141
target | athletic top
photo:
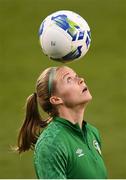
x: 65, y: 151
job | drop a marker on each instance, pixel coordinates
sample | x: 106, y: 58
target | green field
x: 104, y: 68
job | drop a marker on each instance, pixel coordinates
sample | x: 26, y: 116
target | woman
x: 68, y: 147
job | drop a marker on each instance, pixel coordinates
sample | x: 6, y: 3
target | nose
x: 80, y: 81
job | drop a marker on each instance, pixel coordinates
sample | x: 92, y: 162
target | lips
x: 85, y: 89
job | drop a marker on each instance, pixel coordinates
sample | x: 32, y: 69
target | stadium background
x: 104, y: 68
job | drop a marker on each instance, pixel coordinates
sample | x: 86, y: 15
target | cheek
x: 62, y: 90
x: 66, y: 94
x: 69, y: 93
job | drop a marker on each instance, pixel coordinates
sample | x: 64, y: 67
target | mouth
x: 85, y: 89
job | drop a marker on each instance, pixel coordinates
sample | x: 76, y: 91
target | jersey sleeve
x: 50, y: 161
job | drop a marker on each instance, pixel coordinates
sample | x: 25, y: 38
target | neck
x: 74, y: 115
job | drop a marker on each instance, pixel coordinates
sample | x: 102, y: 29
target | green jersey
x: 65, y: 151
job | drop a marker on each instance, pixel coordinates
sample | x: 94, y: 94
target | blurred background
x: 103, y: 67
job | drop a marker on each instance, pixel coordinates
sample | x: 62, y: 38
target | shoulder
x: 50, y: 153
x: 51, y: 137
x: 92, y: 128
x: 94, y: 131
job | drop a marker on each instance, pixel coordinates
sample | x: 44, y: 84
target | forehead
x: 62, y: 71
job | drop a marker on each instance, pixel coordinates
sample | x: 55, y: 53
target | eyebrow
x: 65, y: 75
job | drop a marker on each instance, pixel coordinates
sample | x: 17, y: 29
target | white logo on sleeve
x: 79, y: 152
x: 96, y: 145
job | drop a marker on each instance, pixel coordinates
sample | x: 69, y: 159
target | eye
x: 77, y: 76
x: 69, y: 79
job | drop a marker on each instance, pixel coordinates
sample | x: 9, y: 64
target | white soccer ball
x: 64, y: 36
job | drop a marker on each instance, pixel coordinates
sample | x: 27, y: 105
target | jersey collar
x: 69, y: 124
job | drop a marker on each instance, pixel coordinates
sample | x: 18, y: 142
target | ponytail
x: 32, y: 124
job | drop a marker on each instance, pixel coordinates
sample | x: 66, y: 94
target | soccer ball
x: 64, y: 36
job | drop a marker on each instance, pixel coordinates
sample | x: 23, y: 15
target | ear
x: 55, y: 100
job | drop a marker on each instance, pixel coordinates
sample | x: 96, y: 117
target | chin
x: 90, y: 98
x: 87, y: 99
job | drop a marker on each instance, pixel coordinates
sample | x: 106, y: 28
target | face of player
x: 71, y: 88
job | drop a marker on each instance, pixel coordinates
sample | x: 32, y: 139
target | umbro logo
x: 79, y: 152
